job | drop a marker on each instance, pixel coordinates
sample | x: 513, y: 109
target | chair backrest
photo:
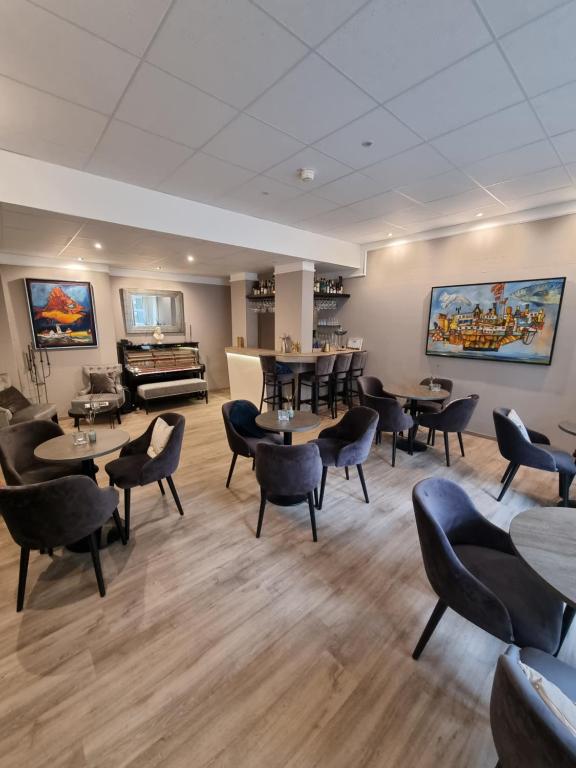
x: 236, y: 441
x: 17, y: 444
x: 288, y: 470
x: 358, y: 427
x: 370, y: 385
x: 5, y: 381
x: 114, y: 370
x: 342, y: 363
x: 56, y: 512
x: 391, y: 417
x: 166, y: 462
x: 526, y: 732
x: 358, y: 363
x: 509, y: 436
x: 268, y: 363
x: 456, y: 416
x: 324, y: 364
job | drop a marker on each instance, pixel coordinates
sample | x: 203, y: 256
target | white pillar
x: 244, y: 320
x: 295, y: 303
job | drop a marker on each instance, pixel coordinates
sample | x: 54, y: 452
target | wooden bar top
x: 285, y: 357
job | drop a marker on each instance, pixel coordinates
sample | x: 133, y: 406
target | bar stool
x: 340, y: 381
x: 356, y: 370
x: 320, y: 377
x: 271, y: 377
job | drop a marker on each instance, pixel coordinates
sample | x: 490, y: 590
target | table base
x: 571, y: 503
x: 403, y: 444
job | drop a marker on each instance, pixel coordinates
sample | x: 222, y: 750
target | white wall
x: 389, y: 308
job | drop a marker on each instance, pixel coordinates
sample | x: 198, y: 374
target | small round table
x: 568, y: 426
x: 413, y: 393
x: 78, y: 412
x: 302, y: 421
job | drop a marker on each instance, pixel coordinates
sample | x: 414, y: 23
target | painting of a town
x: 514, y: 322
x: 62, y: 314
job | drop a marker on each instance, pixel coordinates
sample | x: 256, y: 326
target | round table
x: 568, y: 426
x: 413, y: 393
x: 302, y: 421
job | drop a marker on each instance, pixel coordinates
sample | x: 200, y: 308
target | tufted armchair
x: 117, y: 397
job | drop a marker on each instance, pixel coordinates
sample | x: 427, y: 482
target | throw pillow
x: 160, y: 436
x: 555, y: 699
x: 515, y: 419
x: 12, y: 399
x: 101, y: 383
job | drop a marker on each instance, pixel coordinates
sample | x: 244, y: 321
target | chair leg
x: 162, y: 491
x: 127, y: 513
x: 347, y: 473
x: 433, y: 437
x: 118, y: 416
x: 119, y: 526
x: 312, y: 516
x: 231, y: 470
x: 461, y: 443
x: 511, y: 475
x: 567, y: 618
x: 437, y: 613
x: 24, y: 558
x: 505, y: 475
x: 262, y: 395
x: 565, y: 482
x: 174, y: 493
x: 394, y: 438
x: 363, y: 482
x: 429, y: 440
x: 447, y: 448
x: 322, y: 486
x: 261, y: 512
x: 253, y: 463
x: 96, y: 563
x: 316, y: 496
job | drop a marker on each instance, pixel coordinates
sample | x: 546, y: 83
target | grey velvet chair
x: 527, y: 734
x: 535, y: 452
x: 274, y: 378
x: 19, y: 465
x: 21, y: 409
x: 340, y: 381
x: 319, y: 381
x: 370, y: 385
x: 242, y: 432
x: 472, y: 567
x: 135, y: 467
x: 117, y: 397
x: 347, y: 443
x: 433, y: 406
x: 355, y: 371
x: 391, y: 418
x: 455, y: 417
x: 287, y: 471
x: 56, y: 513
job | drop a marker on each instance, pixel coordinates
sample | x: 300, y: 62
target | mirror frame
x: 131, y: 329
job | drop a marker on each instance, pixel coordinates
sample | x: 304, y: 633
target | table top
x: 302, y: 421
x: 80, y: 410
x: 62, y: 448
x: 545, y: 539
x: 417, y: 392
x: 568, y: 426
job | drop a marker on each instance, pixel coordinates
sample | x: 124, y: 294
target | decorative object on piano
x: 61, y: 314
x: 158, y: 335
x: 37, y: 365
x: 144, y: 311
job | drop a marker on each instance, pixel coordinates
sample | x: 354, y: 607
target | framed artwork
x: 514, y: 322
x: 61, y: 314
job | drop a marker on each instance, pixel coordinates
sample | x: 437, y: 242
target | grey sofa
x: 29, y: 412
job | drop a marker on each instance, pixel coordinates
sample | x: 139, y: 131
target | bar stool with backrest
x: 273, y: 377
x: 355, y: 371
x: 340, y: 381
x: 320, y: 377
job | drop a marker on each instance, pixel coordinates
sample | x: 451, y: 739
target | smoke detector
x: 306, y: 174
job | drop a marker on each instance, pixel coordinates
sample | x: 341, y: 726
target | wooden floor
x: 212, y: 648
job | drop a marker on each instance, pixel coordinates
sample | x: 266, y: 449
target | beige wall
x: 389, y: 308
x: 244, y: 320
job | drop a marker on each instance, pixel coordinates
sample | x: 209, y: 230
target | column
x: 295, y: 303
x: 244, y: 320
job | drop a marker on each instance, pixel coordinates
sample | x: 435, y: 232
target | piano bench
x: 176, y: 388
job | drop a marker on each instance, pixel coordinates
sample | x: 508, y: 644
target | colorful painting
x: 62, y: 314
x: 514, y: 322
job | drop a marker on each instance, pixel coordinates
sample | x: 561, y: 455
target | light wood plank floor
x: 214, y: 649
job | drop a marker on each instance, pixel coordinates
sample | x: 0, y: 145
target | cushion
x: 556, y: 701
x: 243, y: 419
x: 564, y: 460
x: 13, y: 400
x: 101, y: 382
x: 515, y: 419
x: 160, y: 436
x: 558, y: 672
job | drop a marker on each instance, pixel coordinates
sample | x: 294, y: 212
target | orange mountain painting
x: 62, y: 314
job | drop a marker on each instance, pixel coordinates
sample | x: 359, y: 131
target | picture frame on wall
x: 62, y: 314
x: 512, y: 321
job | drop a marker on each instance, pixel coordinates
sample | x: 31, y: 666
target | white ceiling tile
x: 514, y: 163
x: 42, y: 50
x: 311, y: 101
x: 289, y: 211
x: 475, y: 200
x: 52, y: 225
x: 532, y: 184
x: 565, y: 143
x: 552, y: 197
x: 129, y: 154
x: 392, y: 44
x: 477, y: 86
x: 205, y: 178
x: 557, y: 108
x: 262, y: 192
x: 228, y: 48
x: 413, y: 214
x: 46, y: 127
x: 251, y: 144
x: 510, y: 128
x: 327, y: 169
x: 171, y: 108
x: 407, y: 167
x: 444, y: 185
x: 311, y: 20
x: 349, y: 189
x: 369, y: 231
x: 380, y: 205
x: 31, y: 243
x: 505, y: 15
x: 387, y: 133
x: 127, y: 23
x: 338, y: 217
x: 543, y: 53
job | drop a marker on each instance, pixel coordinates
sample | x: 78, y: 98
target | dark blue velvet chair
x: 347, y: 443
x: 370, y: 385
x: 287, y: 473
x: 433, y: 406
x: 527, y: 734
x: 536, y: 452
x: 391, y: 418
x: 243, y: 433
x: 455, y: 417
x: 472, y: 567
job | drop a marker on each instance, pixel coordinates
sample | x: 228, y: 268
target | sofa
x: 15, y: 407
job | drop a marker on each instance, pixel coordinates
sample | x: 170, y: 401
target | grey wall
x: 389, y: 308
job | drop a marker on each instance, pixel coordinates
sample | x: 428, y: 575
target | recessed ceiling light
x: 478, y: 215
x: 98, y: 246
x: 389, y: 234
x: 158, y: 268
x: 367, y: 144
x: 80, y: 258
x: 190, y: 257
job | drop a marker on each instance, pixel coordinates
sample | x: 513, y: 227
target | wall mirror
x: 146, y: 310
